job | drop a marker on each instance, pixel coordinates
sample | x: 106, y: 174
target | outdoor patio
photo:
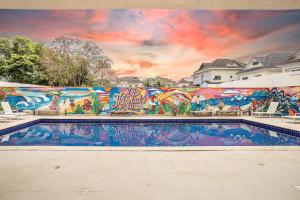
x: 141, y: 175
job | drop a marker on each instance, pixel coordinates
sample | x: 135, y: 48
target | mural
x: 151, y: 101
x: 61, y: 99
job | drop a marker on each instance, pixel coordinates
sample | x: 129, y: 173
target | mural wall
x: 151, y: 101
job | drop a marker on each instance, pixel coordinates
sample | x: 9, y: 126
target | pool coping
x: 152, y: 119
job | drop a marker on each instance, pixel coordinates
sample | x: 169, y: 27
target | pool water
x: 146, y: 134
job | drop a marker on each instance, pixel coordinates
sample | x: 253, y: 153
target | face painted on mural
x: 55, y: 103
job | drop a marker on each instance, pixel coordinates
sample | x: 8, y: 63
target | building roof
x: 222, y: 63
x: 294, y: 58
x: 270, y: 61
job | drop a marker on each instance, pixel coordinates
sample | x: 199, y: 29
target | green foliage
x: 70, y: 62
x: 158, y: 83
x: 146, y: 83
x: 21, y: 61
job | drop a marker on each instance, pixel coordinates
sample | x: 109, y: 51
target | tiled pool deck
x: 83, y: 173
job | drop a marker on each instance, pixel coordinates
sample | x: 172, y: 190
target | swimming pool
x: 147, y: 133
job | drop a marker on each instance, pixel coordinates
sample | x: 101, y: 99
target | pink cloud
x: 143, y: 64
x: 126, y: 72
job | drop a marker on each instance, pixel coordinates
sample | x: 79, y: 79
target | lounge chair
x: 272, y: 110
x: 9, y: 113
x: 228, y: 113
x: 201, y: 113
x: 294, y: 117
x: 2, y: 119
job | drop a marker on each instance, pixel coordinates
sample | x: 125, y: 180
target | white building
x: 130, y: 81
x: 218, y: 71
x: 265, y: 65
x: 185, y: 82
x: 273, y: 80
x: 292, y: 64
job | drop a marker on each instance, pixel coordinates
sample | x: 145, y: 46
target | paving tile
x: 191, y: 195
x: 263, y: 195
x: 14, y: 177
x: 160, y: 166
x: 22, y: 196
x: 117, y: 195
x: 133, y: 155
x: 133, y: 182
x: 184, y: 155
x: 42, y: 196
x: 68, y: 182
x: 62, y: 196
x: 233, y: 181
x: 193, y: 166
x: 108, y: 155
x: 156, y: 155
x: 271, y: 181
x: 199, y: 181
x: 101, y: 182
x: 167, y: 181
x: 133, y: 166
x: 109, y: 166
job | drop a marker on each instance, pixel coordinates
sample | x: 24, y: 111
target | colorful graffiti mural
x: 151, y: 101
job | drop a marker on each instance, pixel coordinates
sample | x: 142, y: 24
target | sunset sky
x: 169, y: 43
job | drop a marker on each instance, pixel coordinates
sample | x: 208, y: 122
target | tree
x: 21, y: 61
x: 83, y: 60
x: 55, y: 66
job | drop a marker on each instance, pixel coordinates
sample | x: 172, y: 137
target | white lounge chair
x: 294, y: 117
x: 272, y: 110
x: 9, y: 113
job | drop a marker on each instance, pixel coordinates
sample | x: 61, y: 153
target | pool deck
x: 85, y: 173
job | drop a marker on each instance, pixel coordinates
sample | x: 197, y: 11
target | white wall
x: 259, y: 73
x: 210, y: 74
x: 290, y: 67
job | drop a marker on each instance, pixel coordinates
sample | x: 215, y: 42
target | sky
x: 168, y: 43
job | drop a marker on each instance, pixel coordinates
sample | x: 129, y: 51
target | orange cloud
x: 126, y: 72
x: 143, y: 64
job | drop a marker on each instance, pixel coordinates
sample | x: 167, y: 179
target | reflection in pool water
x: 147, y: 134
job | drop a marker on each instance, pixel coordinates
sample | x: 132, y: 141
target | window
x: 202, y: 78
x: 257, y: 75
x: 217, y: 77
x: 245, y: 78
x: 230, y: 76
x: 255, y: 63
